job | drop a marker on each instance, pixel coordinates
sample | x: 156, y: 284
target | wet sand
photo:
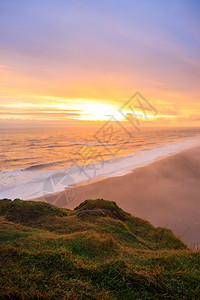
x: 166, y: 193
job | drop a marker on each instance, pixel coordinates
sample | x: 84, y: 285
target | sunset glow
x: 98, y: 111
x: 84, y: 62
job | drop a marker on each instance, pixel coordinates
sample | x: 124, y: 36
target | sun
x: 97, y: 111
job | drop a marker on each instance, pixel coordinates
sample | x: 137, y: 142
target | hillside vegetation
x: 96, y: 251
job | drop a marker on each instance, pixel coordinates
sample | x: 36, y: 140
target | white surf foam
x: 30, y: 184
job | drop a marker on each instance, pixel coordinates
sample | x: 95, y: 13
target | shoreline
x: 30, y: 184
x: 164, y: 192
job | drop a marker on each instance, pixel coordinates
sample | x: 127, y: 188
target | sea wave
x: 82, y: 144
x: 28, y: 184
x: 39, y: 166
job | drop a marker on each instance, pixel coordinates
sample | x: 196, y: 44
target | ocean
x: 38, y: 161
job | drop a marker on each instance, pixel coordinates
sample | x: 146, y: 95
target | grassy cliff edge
x: 96, y: 251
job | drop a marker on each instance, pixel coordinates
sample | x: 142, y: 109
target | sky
x: 79, y: 60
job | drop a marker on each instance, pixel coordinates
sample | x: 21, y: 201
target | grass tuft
x: 96, y: 251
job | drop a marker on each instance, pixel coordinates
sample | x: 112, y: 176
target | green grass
x: 96, y: 251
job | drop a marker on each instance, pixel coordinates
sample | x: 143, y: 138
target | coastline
x: 32, y: 183
x: 164, y: 192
